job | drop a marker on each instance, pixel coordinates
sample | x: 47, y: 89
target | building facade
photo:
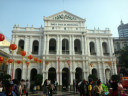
x: 67, y: 49
x: 123, y: 29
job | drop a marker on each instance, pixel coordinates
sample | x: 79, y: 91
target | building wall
x: 68, y: 27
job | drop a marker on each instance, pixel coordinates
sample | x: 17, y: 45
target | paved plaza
x: 59, y: 93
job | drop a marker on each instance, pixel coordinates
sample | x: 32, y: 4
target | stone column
x: 97, y: 49
x: 39, y: 51
x: 60, y: 43
x: 100, y: 70
x: 112, y: 46
x: 73, y: 51
x: 101, y: 49
x: 30, y: 45
x: 115, y: 67
x: 70, y: 45
x: 24, y: 71
x: 25, y: 45
x: 57, y: 45
x: 85, y: 46
x: 44, y: 44
x: 82, y: 45
x: 47, y: 49
x: 109, y: 47
x: 60, y: 77
x: 103, y: 73
x: 16, y: 42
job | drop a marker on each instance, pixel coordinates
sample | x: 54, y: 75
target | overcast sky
x: 98, y: 13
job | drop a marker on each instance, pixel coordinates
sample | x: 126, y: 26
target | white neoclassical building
x: 64, y: 39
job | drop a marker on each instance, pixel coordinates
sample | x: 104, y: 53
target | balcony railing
x: 78, y: 52
x: 65, y: 51
x: 106, y: 54
x: 52, y: 52
x: 93, y: 53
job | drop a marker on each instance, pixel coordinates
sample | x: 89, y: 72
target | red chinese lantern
x: 1, y: 59
x: 2, y: 37
x: 23, y: 53
x: 46, y: 63
x: 10, y: 60
x: 39, y: 60
x: 18, y: 61
x: 13, y: 46
x: 27, y: 64
x: 30, y: 57
x: 35, y: 59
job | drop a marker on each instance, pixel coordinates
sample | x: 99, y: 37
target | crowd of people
x: 97, y: 88
x: 85, y: 88
x: 14, y: 87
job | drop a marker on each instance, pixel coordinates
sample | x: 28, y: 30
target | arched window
x: 65, y: 46
x: 104, y: 46
x: 77, y: 46
x: 35, y: 47
x: 20, y: 46
x: 92, y: 49
x: 52, y: 46
x: 33, y: 74
x: 18, y: 73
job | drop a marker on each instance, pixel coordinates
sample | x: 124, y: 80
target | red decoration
x: 23, y: 53
x: 91, y: 65
x: 30, y: 57
x: 35, y: 59
x: 68, y: 62
x: 18, y: 61
x: 109, y: 63
x: 13, y: 46
x: 46, y: 63
x: 40, y: 61
x: 27, y: 64
x: 10, y: 60
x: 2, y: 37
x: 1, y: 59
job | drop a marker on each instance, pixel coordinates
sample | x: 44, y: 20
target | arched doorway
x: 33, y: 74
x: 92, y: 48
x: 32, y: 78
x: 79, y: 74
x: 108, y: 74
x: 94, y: 72
x: 52, y: 75
x: 65, y: 78
x: 18, y: 74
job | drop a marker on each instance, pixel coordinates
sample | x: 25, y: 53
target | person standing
x: 98, y: 89
x: 90, y: 88
x: 27, y: 87
x: 8, y: 89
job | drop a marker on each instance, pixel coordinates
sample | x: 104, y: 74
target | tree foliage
x: 123, y: 58
x: 38, y: 79
x: 92, y: 76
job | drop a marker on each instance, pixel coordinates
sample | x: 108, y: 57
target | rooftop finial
x: 121, y: 22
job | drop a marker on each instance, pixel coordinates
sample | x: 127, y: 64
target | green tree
x: 93, y: 76
x: 7, y: 76
x: 123, y: 59
x: 115, y: 77
x: 38, y: 79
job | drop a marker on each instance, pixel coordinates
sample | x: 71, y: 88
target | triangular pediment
x: 64, y: 15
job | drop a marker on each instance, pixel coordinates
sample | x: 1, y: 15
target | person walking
x: 45, y: 90
x: 83, y: 89
x: 90, y: 87
x: 8, y: 89
x: 98, y: 89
